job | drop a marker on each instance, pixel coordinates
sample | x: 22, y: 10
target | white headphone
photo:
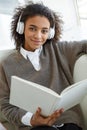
x: 51, y: 33
x: 20, y: 29
x: 20, y: 26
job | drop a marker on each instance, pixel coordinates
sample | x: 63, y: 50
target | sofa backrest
x: 4, y: 53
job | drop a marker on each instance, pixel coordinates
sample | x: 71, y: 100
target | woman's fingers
x: 55, y: 116
x: 38, y: 119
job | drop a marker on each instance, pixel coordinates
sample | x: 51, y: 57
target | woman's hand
x: 37, y: 119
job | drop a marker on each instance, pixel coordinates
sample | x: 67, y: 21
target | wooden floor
x: 1, y: 127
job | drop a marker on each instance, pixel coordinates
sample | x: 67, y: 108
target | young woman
x: 39, y: 57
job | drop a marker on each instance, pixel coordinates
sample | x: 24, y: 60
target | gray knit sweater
x: 57, y: 64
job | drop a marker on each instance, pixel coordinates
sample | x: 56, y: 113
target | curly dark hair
x: 31, y: 10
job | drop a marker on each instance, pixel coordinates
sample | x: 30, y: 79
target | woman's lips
x: 36, y: 42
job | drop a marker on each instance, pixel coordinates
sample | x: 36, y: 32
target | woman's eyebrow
x: 33, y: 25
x: 37, y: 26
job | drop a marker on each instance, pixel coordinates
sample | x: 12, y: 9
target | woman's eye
x: 32, y: 29
x: 44, y: 31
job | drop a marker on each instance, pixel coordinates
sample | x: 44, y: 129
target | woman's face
x: 36, y: 32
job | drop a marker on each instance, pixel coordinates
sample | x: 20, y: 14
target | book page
x: 38, y: 86
x: 73, y: 95
x: 73, y: 85
x: 29, y: 96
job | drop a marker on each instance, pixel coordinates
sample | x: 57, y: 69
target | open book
x: 29, y: 96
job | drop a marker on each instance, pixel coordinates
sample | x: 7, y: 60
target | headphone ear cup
x: 51, y: 33
x: 20, y: 27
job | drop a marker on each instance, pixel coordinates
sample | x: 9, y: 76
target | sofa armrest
x: 80, y: 73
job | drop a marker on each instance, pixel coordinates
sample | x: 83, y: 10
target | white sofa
x: 4, y: 53
x: 80, y: 73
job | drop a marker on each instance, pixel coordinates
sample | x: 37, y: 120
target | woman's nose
x: 38, y: 34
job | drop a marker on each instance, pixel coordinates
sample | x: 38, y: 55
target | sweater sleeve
x: 72, y: 51
x: 11, y: 113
